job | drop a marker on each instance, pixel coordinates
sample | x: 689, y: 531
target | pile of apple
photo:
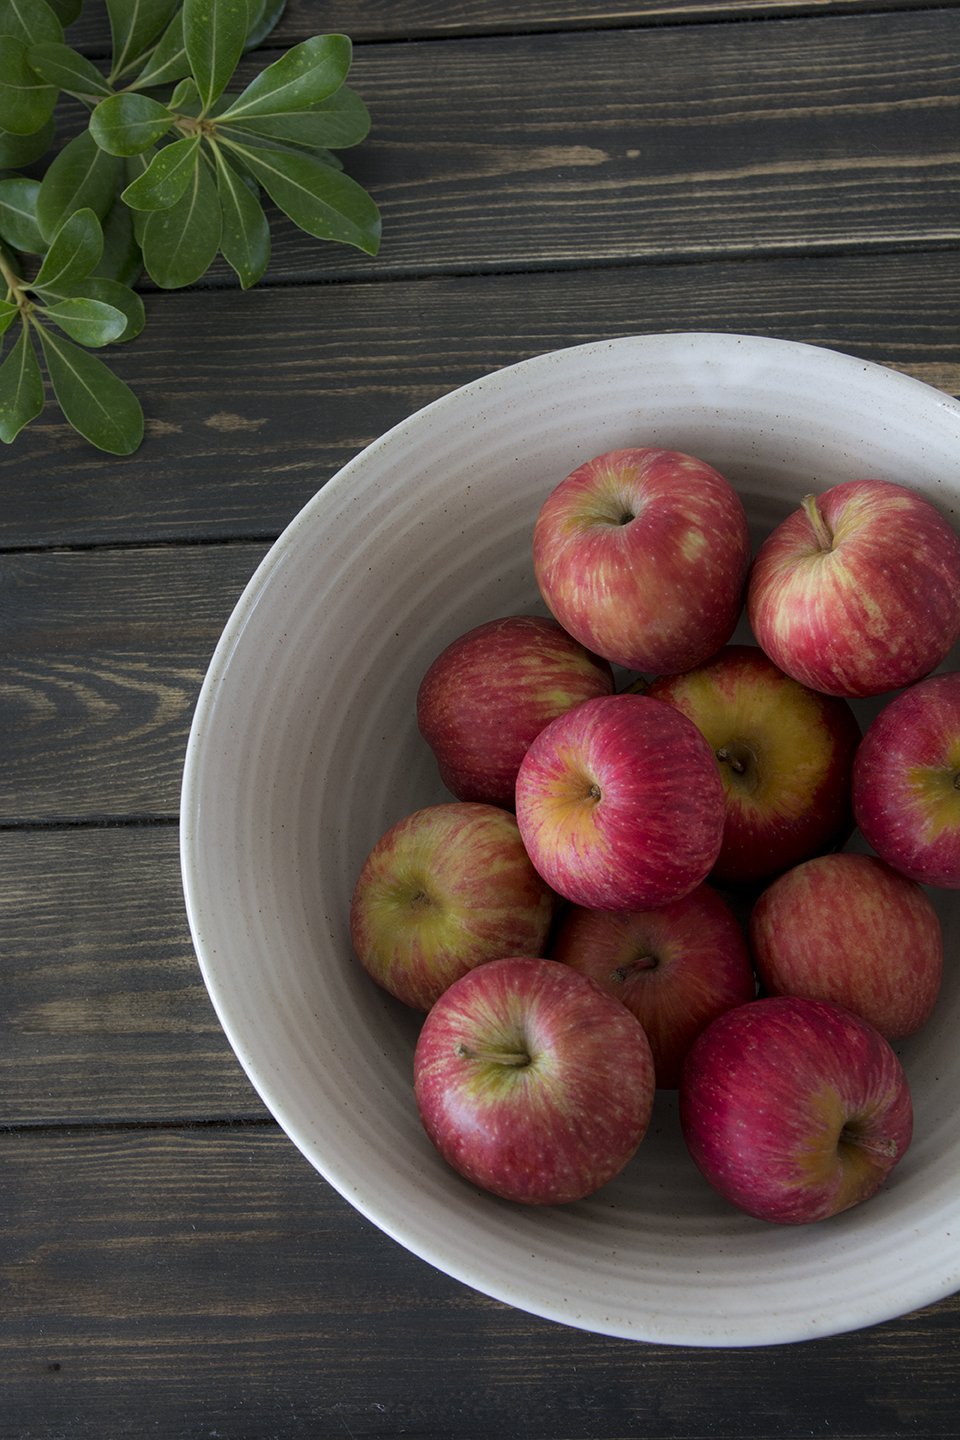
x: 554, y: 921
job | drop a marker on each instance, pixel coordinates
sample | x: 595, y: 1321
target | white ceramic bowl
x: 305, y: 749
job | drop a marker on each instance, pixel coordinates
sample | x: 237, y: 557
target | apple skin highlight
x: 642, y: 554
x: 858, y: 591
x: 491, y: 692
x: 906, y: 782
x: 620, y: 804
x: 532, y: 1083
x: 793, y: 1109
x: 447, y: 888
x: 786, y: 757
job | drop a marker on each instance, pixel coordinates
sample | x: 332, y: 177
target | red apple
x: 906, y: 782
x: 848, y: 928
x: 794, y: 1109
x: 642, y: 554
x: 785, y: 755
x: 492, y: 691
x: 445, y: 889
x: 531, y: 1082
x: 858, y: 591
x: 620, y: 804
x: 675, y: 968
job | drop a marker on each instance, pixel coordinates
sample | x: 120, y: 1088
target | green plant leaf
x: 108, y: 292
x: 336, y: 123
x: 181, y: 243
x: 166, y: 177
x: 321, y: 201
x: 168, y: 60
x: 91, y: 322
x: 126, y: 124
x: 26, y: 101
x: 121, y: 254
x: 306, y: 74
x: 245, y: 236
x: 21, y: 389
x: 134, y: 26
x: 264, y: 15
x: 81, y: 176
x: 94, y: 401
x: 186, y: 96
x: 74, y: 252
x: 16, y: 151
x: 67, y: 69
x: 8, y: 313
x: 66, y: 10
x: 18, y: 214
x: 214, y: 31
x: 31, y: 21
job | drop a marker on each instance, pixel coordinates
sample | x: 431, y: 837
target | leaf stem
x: 15, y: 286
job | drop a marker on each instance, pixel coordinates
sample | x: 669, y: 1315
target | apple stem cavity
x: 727, y: 758
x: 595, y: 793
x: 515, y: 1058
x: 623, y: 972
x: 874, y: 1145
x: 822, y: 532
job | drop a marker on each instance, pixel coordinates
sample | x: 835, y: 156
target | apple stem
x: 875, y: 1146
x: 737, y: 766
x: 642, y: 962
x: 821, y: 530
x: 516, y: 1058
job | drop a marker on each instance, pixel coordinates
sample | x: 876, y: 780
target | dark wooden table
x: 550, y: 172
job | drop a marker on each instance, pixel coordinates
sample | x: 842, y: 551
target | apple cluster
x: 642, y: 880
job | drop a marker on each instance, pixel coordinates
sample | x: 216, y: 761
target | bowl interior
x: 304, y: 750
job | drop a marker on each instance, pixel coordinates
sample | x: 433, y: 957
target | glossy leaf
x: 180, y: 244
x: 245, y: 236
x: 166, y: 177
x: 110, y: 292
x: 321, y: 201
x: 18, y: 214
x: 16, y: 151
x: 168, y: 60
x: 134, y: 26
x: 31, y: 21
x: 26, y: 101
x: 74, y: 252
x: 186, y: 97
x: 126, y: 124
x: 21, y: 388
x: 82, y: 175
x: 94, y: 401
x: 121, y: 258
x: 91, y: 322
x: 264, y: 15
x: 335, y: 124
x: 305, y: 75
x: 68, y: 70
x: 214, y: 32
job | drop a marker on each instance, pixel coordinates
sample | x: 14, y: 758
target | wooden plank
x: 807, y: 134
x: 367, y: 20
x: 206, y: 1282
x: 254, y: 400
x: 103, y: 654
x: 105, y: 1016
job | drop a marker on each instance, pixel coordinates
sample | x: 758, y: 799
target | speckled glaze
x: 304, y: 750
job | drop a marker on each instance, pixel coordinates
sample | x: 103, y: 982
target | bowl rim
x: 190, y: 825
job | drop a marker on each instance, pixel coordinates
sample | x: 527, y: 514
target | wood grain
x: 367, y: 20
x: 103, y: 653
x: 801, y: 135
x: 254, y: 400
x: 105, y: 1017
x: 192, y: 1282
